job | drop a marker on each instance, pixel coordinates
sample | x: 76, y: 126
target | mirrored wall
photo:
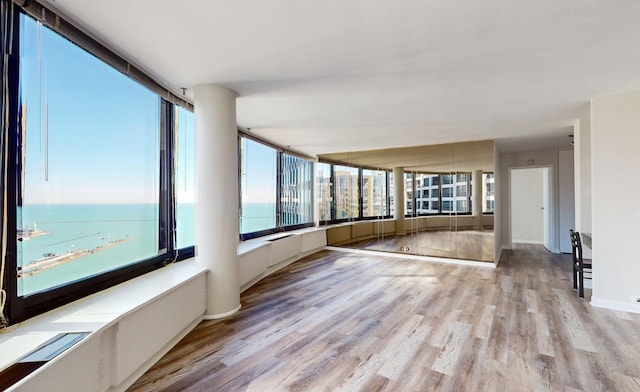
x: 430, y: 200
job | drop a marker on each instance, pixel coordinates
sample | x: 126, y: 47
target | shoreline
x: 51, y: 261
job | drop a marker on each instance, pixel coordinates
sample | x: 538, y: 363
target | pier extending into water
x: 53, y: 260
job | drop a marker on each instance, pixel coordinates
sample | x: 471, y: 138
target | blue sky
x: 103, y: 127
x: 103, y: 132
x: 258, y: 186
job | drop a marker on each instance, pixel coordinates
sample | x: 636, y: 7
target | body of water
x: 119, y: 234
x: 257, y: 216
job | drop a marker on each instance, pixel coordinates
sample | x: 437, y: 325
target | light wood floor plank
x: 338, y: 321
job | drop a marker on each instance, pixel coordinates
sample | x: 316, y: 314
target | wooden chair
x: 579, y: 266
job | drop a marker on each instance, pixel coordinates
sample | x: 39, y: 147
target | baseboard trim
x: 497, y: 261
x: 615, y: 305
x: 444, y: 260
x: 534, y: 242
x: 222, y: 315
x: 277, y: 267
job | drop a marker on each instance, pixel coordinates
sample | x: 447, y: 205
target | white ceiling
x: 345, y: 75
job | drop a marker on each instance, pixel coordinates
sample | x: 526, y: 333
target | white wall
x: 523, y: 160
x: 131, y: 326
x: 582, y: 176
x: 566, y: 206
x: 615, y: 143
x: 526, y: 206
x: 262, y: 256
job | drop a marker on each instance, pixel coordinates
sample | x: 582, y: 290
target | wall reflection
x: 432, y: 200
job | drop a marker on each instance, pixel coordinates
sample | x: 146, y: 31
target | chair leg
x: 581, y: 290
x: 575, y: 277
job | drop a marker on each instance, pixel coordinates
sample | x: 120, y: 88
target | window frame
x: 280, y: 186
x: 440, y: 182
x: 494, y: 190
x: 185, y: 252
x: 358, y: 195
x: 361, y: 217
x: 22, y: 307
x: 386, y: 190
x: 279, y: 226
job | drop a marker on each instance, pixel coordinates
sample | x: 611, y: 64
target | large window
x: 258, y: 186
x: 488, y: 193
x: 89, y: 195
x: 324, y: 193
x: 374, y: 193
x: 408, y: 193
x: 430, y: 197
x: 427, y: 193
x: 296, y: 196
x: 346, y: 192
x: 276, y: 189
x: 350, y: 193
x: 98, y: 167
x: 185, y: 178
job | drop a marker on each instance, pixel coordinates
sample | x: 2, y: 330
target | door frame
x: 550, y: 230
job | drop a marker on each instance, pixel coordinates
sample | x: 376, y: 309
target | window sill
x: 96, y: 312
x: 248, y: 246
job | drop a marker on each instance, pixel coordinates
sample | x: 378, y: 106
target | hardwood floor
x: 339, y: 321
x: 461, y: 244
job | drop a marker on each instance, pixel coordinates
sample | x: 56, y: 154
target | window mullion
x: 10, y: 163
x: 279, y: 180
x: 166, y: 199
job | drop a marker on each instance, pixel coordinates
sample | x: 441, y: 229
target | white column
x: 476, y: 199
x: 398, y: 199
x: 217, y: 197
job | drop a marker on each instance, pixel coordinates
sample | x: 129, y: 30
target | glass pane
x: 346, y: 202
x: 374, y: 193
x: 427, y: 194
x: 462, y: 194
x: 323, y: 184
x: 408, y: 193
x: 185, y: 178
x: 488, y: 192
x: 258, y: 186
x: 90, y: 165
x: 296, y: 197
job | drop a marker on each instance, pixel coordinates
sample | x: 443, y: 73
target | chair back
x: 576, y: 245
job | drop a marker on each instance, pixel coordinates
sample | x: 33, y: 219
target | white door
x: 527, y: 223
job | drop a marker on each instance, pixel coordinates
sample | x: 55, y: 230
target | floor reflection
x: 461, y: 244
